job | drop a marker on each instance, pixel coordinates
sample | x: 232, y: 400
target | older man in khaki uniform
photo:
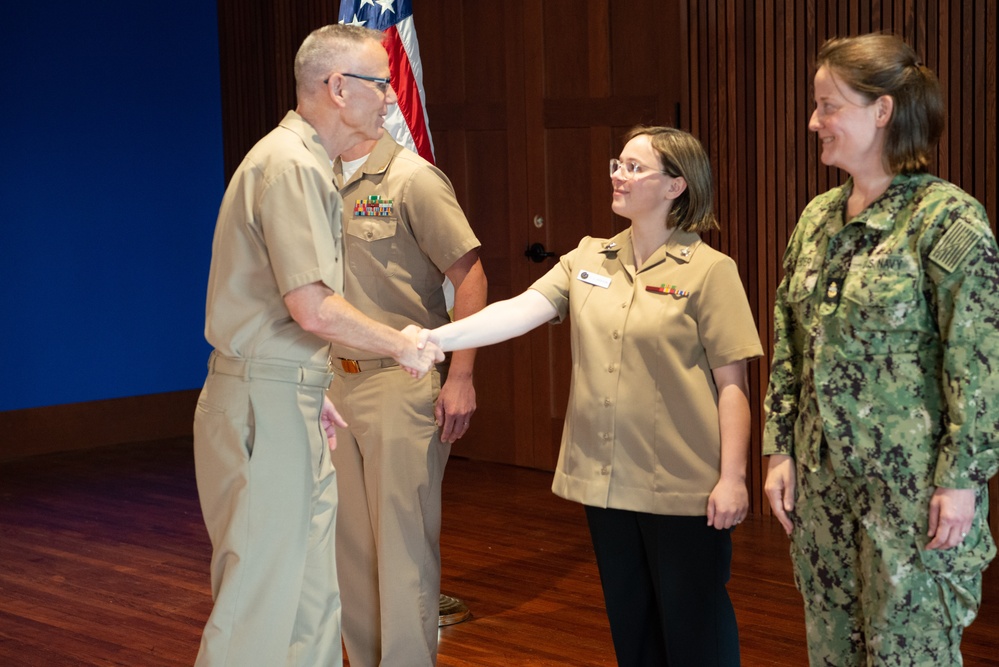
x: 267, y: 489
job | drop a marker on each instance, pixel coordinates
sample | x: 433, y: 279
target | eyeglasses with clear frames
x: 381, y: 82
x: 630, y: 170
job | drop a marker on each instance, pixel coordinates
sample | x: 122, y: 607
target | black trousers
x: 664, y: 587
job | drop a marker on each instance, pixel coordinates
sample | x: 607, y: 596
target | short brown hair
x: 879, y: 64
x: 682, y: 155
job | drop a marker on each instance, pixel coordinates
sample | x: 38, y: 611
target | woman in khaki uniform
x: 657, y: 428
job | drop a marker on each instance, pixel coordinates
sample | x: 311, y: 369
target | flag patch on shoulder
x: 954, y: 245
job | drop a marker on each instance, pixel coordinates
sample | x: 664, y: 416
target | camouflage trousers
x: 873, y: 595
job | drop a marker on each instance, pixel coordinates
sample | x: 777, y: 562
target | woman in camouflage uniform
x: 883, y: 406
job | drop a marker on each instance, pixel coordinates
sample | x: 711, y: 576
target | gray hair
x: 325, y: 49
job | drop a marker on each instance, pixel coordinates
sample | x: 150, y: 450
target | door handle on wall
x: 536, y: 253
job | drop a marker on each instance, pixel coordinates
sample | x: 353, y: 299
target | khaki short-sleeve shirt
x: 279, y: 228
x: 403, y: 229
x: 641, y: 430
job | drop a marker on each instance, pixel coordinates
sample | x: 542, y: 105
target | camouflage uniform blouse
x: 887, y: 338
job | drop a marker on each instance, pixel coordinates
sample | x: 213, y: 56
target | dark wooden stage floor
x: 104, y: 561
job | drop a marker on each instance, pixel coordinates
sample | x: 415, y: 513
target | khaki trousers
x: 268, y: 494
x: 390, y: 466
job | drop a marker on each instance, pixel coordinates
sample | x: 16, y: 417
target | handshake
x: 417, y: 352
x: 497, y: 322
x: 421, y: 352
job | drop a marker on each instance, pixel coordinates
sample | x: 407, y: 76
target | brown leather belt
x: 361, y: 365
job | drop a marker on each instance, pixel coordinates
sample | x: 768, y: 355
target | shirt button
x: 611, y: 368
x: 369, y: 234
x: 607, y: 401
x: 605, y: 470
x: 616, y: 335
x: 624, y: 305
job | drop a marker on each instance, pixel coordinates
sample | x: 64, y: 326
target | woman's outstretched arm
x: 496, y: 322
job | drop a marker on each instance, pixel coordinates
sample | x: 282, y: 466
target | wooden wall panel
x: 509, y: 83
x: 113, y: 421
x: 473, y: 75
x: 753, y: 121
x: 573, y: 76
x: 257, y: 46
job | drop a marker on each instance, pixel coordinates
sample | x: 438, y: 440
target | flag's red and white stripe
x: 407, y: 121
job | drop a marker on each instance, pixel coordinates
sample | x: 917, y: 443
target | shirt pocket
x: 371, y: 246
x: 801, y: 285
x: 886, y: 301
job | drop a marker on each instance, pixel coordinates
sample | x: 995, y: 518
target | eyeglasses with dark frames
x: 381, y: 82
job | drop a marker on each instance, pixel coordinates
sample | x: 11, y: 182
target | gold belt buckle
x: 350, y: 366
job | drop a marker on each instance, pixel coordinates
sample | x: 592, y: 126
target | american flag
x: 407, y: 122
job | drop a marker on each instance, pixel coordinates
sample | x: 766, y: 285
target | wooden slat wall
x: 257, y: 45
x: 749, y: 92
x: 746, y: 94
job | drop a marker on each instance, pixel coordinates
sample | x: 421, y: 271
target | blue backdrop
x: 110, y: 179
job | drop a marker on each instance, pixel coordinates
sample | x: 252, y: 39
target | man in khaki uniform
x: 267, y: 489
x: 404, y: 232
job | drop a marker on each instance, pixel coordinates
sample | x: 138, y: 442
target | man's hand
x: 329, y: 418
x: 429, y: 336
x: 779, y: 487
x: 454, y: 407
x: 420, y: 357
